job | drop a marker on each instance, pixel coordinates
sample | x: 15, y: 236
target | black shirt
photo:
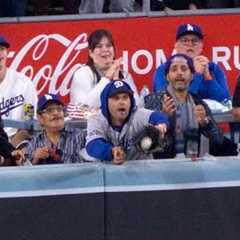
x: 5, y: 147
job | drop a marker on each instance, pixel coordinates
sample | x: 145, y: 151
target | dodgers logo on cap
x: 189, y: 29
x: 118, y: 84
x: 45, y: 99
x: 48, y: 97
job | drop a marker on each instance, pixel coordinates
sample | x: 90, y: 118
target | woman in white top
x: 102, y: 67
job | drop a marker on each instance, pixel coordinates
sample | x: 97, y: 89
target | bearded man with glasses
x: 209, y: 80
x: 54, y: 143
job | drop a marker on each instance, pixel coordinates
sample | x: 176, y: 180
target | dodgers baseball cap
x: 119, y: 86
x: 47, y: 98
x: 4, y: 42
x: 189, y: 29
x: 179, y: 55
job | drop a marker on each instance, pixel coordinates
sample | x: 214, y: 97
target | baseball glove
x: 149, y: 140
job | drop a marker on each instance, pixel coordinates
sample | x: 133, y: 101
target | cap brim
x: 49, y: 101
x: 5, y: 44
x: 121, y: 91
x: 190, y: 32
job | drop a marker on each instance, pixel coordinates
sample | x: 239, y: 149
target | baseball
x: 146, y: 143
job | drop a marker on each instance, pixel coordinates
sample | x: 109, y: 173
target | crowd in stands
x: 14, y: 8
x: 175, y: 120
x: 209, y: 80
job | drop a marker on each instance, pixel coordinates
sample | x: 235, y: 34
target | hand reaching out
x: 19, y: 157
x: 118, y: 155
x: 162, y: 128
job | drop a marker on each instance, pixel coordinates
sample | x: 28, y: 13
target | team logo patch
x: 118, y: 84
x: 48, y: 97
x: 190, y: 27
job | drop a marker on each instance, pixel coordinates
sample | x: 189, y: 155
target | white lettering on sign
x: 149, y: 58
x: 50, y: 60
x: 222, y: 55
x: 236, y: 58
x: 49, y: 74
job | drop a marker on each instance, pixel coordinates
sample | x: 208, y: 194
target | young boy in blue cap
x: 111, y: 133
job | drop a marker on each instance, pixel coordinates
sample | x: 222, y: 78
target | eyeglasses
x: 51, y: 110
x: 192, y: 41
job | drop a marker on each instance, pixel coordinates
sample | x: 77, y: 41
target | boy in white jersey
x: 16, y: 91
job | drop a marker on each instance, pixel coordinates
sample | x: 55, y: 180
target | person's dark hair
x: 170, y: 60
x: 93, y: 40
x: 96, y: 36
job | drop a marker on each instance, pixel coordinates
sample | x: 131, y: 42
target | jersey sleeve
x: 97, y: 144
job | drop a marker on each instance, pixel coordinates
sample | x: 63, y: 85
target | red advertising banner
x: 50, y: 52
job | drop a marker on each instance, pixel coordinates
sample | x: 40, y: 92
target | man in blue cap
x: 54, y: 144
x: 209, y: 80
x: 112, y: 133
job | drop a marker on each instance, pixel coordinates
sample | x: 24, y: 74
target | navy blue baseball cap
x: 119, y: 86
x: 179, y: 55
x: 47, y: 98
x: 189, y: 29
x: 4, y: 42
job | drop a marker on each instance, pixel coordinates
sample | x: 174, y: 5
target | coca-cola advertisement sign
x: 50, y: 75
x: 50, y: 52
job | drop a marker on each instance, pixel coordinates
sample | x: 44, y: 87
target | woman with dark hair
x: 101, y: 68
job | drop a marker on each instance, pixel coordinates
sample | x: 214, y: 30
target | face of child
x: 119, y: 108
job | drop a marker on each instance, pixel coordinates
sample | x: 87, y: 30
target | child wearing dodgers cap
x: 111, y: 133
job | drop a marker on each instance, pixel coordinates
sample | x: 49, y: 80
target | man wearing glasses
x: 209, y: 80
x: 54, y: 144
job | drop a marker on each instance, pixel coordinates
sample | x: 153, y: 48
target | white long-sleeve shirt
x: 86, y: 90
x: 16, y: 89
